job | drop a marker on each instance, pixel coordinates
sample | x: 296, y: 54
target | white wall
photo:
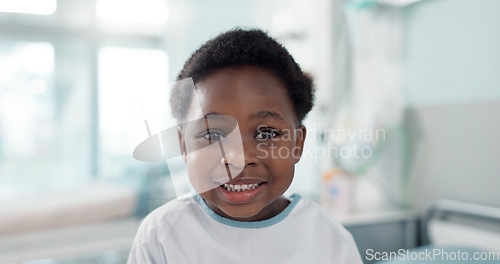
x: 452, y: 87
x: 452, y: 51
x: 192, y: 22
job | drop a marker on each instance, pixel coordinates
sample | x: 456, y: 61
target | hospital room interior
x: 402, y: 144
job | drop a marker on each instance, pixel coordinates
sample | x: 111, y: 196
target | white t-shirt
x: 186, y: 231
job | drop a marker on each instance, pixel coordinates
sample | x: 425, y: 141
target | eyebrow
x: 262, y: 114
x: 213, y: 115
x: 265, y: 114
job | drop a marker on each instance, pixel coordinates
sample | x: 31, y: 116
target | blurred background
x: 407, y: 96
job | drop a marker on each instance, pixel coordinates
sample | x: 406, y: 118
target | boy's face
x: 272, y: 143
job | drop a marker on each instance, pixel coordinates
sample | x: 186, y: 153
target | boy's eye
x: 212, y: 135
x: 264, y: 134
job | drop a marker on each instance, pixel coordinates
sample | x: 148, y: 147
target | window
x: 145, y: 11
x: 40, y: 7
x: 62, y: 82
x: 132, y: 84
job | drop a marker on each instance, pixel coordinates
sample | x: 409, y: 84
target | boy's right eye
x: 212, y: 135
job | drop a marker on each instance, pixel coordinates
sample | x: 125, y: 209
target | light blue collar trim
x: 253, y: 224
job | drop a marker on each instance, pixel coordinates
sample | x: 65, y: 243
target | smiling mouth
x: 240, y: 187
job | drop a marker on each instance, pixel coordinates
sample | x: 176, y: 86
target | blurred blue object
x: 453, y: 232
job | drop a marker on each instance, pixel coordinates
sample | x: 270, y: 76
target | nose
x: 233, y: 157
x: 246, y: 155
x: 250, y: 152
x: 240, y: 152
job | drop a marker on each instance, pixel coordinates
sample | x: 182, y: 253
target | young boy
x: 245, y: 82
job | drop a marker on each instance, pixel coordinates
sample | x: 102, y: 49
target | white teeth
x: 239, y: 188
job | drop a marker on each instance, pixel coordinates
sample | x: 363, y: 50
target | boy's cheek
x: 199, y: 167
x: 205, y: 169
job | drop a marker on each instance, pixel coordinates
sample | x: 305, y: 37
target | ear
x: 300, y: 137
x: 182, y: 144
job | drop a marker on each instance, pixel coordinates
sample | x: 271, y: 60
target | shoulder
x: 319, y: 225
x: 155, y: 228
x: 169, y: 213
x: 317, y: 219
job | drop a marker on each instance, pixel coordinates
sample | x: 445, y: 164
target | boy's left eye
x: 266, y: 134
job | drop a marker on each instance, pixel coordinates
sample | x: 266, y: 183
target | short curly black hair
x: 239, y: 47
